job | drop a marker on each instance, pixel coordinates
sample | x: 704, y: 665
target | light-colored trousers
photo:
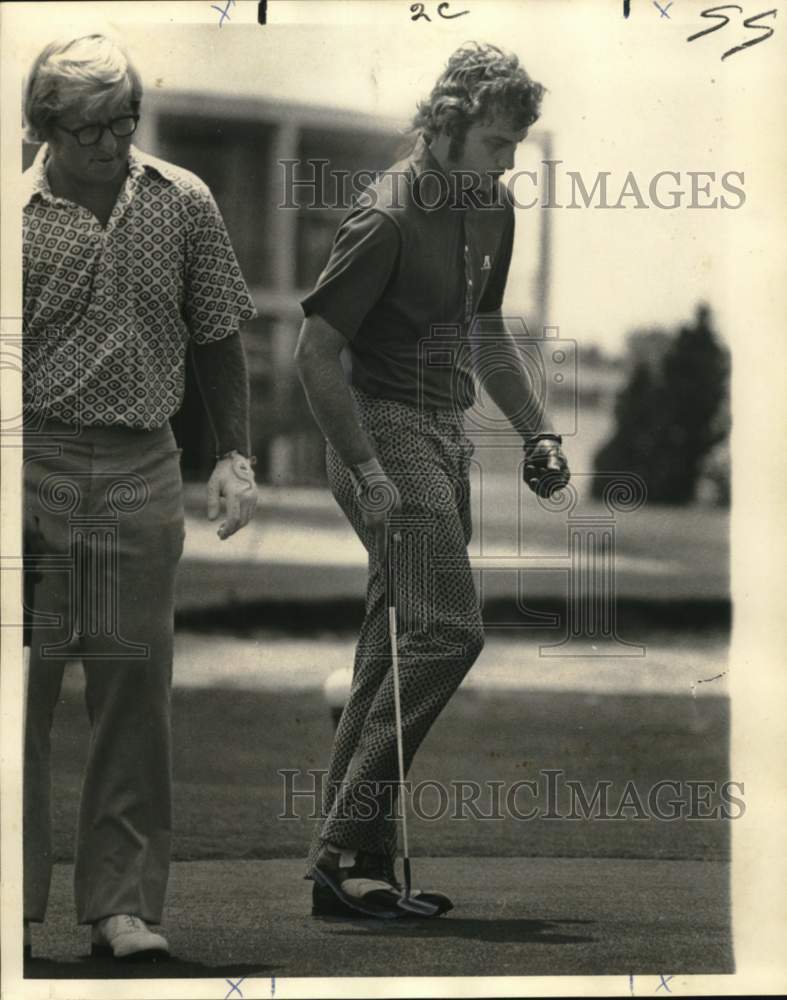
x: 105, y: 506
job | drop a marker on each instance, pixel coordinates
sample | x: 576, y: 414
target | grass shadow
x: 86, y: 967
x: 498, y: 931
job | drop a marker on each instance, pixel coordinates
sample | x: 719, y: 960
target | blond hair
x: 90, y: 72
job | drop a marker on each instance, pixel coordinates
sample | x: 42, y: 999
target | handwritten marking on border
x: 224, y: 11
x: 234, y: 988
x: 724, y: 20
x: 418, y: 11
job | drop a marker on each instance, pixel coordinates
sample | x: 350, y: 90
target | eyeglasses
x: 90, y: 135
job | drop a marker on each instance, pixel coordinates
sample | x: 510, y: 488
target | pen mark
x: 234, y: 988
x: 225, y: 11
x: 418, y: 11
x: 748, y: 22
x: 706, y: 680
x: 443, y: 7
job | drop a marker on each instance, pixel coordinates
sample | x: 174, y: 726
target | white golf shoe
x: 128, y: 938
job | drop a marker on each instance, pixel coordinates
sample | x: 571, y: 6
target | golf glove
x: 377, y: 496
x: 233, y: 481
x: 545, y: 469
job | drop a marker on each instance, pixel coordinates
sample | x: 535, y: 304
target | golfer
x: 126, y: 264
x: 421, y: 257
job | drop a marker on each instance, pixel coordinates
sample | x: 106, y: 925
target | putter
x: 405, y: 902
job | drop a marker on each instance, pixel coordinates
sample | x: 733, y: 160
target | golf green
x: 231, y: 748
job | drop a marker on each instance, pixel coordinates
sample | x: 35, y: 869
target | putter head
x: 418, y: 907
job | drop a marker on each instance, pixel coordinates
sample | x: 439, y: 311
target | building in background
x: 244, y: 148
x: 237, y: 147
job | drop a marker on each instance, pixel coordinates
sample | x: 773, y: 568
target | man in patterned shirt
x: 424, y: 254
x: 126, y: 263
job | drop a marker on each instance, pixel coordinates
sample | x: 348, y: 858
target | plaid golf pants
x: 427, y: 454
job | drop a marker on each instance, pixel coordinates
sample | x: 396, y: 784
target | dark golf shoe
x: 338, y: 876
x: 370, y: 867
x: 375, y: 866
x: 326, y: 904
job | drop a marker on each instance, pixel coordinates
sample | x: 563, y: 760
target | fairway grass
x: 229, y: 747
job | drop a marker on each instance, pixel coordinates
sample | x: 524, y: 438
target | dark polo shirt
x: 411, y: 265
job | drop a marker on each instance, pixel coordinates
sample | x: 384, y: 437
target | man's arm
x: 216, y: 302
x: 317, y: 360
x: 220, y: 367
x: 495, y: 357
x: 501, y: 372
x: 223, y: 380
x: 363, y: 257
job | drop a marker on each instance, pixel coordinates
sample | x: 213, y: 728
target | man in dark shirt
x: 414, y: 265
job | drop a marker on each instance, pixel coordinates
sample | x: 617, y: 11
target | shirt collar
x: 35, y: 180
x: 139, y: 163
x: 424, y: 164
x: 423, y: 160
x: 435, y: 186
x: 433, y: 179
x: 37, y: 183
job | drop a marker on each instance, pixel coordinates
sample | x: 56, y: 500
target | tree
x: 669, y: 416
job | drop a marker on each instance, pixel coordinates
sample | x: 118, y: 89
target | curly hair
x: 90, y: 72
x: 479, y: 82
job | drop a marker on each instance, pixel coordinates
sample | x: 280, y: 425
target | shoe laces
x: 134, y: 923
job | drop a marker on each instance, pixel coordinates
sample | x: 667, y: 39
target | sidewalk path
x: 695, y: 665
x: 299, y: 548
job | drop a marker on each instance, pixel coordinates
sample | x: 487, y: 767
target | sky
x: 623, y: 96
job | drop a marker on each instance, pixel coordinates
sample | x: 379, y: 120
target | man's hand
x: 378, y: 498
x: 546, y: 468
x: 233, y: 481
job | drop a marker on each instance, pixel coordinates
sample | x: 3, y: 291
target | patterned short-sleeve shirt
x: 109, y: 312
